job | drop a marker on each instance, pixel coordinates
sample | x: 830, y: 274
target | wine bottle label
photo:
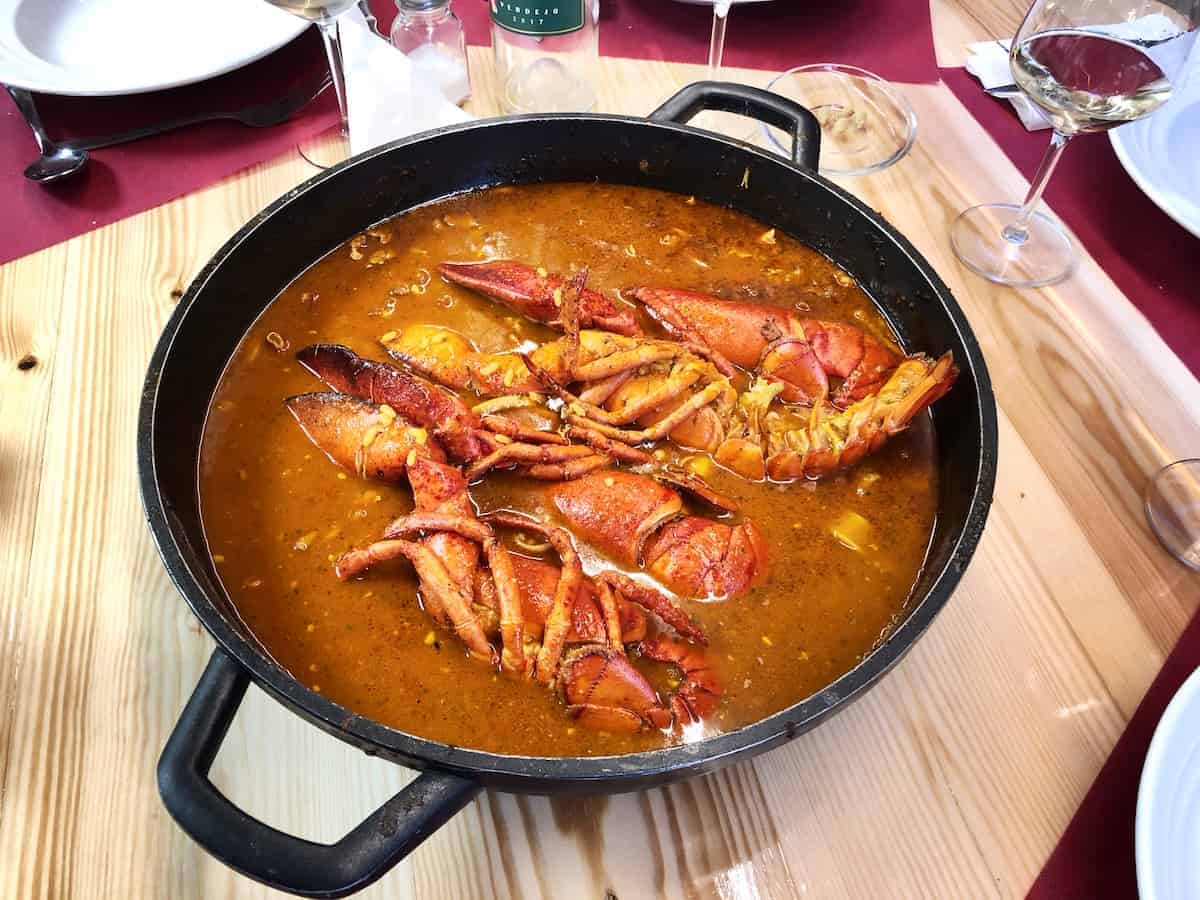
x: 539, y: 18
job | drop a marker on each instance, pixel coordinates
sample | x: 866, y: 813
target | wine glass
x: 866, y: 123
x: 1091, y: 65
x: 716, y: 46
x: 325, y: 14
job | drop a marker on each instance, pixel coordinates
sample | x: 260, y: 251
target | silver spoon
x: 55, y: 162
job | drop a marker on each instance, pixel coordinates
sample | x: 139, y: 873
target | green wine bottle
x: 546, y: 53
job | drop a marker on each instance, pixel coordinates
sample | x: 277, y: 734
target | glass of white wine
x: 1090, y: 65
x: 324, y: 13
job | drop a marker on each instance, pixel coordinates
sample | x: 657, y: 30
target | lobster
x: 538, y: 609
x: 658, y: 385
x: 379, y: 414
x: 791, y: 360
x: 776, y: 343
x: 685, y: 398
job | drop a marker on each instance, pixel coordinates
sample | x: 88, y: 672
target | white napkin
x: 387, y: 96
x: 988, y: 61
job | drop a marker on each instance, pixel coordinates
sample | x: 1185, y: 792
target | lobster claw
x: 359, y: 436
x: 635, y: 519
x: 604, y: 691
x: 698, y: 557
x: 537, y: 294
x: 414, y: 399
x: 800, y: 353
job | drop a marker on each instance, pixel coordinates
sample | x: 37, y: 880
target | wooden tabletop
x: 954, y: 777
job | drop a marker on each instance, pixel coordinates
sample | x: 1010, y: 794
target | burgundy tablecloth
x: 122, y: 181
x: 1154, y: 261
x: 893, y: 37
x: 890, y: 37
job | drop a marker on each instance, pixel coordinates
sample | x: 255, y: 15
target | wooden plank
x: 957, y: 23
x: 28, y: 345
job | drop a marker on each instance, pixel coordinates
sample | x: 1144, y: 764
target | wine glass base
x: 1173, y: 510
x: 985, y: 240
x: 866, y: 123
x: 326, y: 149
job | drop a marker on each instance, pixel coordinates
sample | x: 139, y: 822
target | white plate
x: 1161, y: 153
x: 1167, y: 834
x: 98, y: 47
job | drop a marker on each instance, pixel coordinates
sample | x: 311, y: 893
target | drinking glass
x: 1090, y: 65
x: 325, y: 14
x: 1173, y: 509
x: 866, y: 123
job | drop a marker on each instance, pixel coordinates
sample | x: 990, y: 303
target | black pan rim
x: 538, y: 773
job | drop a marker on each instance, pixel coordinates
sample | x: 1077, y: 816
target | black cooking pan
x: 283, y: 240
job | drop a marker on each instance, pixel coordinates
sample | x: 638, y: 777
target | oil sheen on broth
x: 844, y: 552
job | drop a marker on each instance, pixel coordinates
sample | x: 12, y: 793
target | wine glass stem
x: 333, y: 49
x: 1016, y: 232
x: 716, y: 48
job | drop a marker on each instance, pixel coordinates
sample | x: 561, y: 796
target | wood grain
x: 954, y: 777
x: 957, y: 23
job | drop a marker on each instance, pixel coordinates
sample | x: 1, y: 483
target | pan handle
x: 258, y: 850
x: 753, y: 102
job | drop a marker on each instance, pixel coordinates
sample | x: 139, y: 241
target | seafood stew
x: 808, y: 575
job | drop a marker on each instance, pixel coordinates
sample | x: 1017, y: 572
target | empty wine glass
x: 1091, y: 65
x: 866, y: 123
x: 325, y: 14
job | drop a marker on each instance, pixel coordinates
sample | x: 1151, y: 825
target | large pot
x: 283, y: 240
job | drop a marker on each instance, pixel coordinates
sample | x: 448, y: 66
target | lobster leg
x: 518, y: 432
x: 503, y: 574
x: 684, y: 374
x: 655, y: 602
x: 558, y: 622
x: 608, y: 446
x: 580, y: 414
x: 539, y: 454
x: 444, y: 598
x: 612, y: 618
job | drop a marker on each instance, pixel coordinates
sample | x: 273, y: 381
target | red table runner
x: 122, y: 181
x: 893, y: 38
